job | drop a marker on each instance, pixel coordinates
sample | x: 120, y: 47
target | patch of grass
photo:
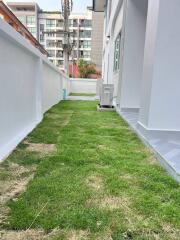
x: 99, y: 181
x: 83, y: 94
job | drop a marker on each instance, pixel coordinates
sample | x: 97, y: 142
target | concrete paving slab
x: 165, y: 144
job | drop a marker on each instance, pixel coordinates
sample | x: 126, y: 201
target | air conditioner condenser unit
x: 106, y: 95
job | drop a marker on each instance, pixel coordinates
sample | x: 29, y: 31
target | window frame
x: 117, y: 52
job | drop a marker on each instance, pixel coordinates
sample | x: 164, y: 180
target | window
x: 117, y: 53
x: 41, y: 37
x: 31, y: 20
x: 60, y: 63
x: 50, y: 23
x: 85, y: 23
x: 85, y: 34
x: 75, y: 34
x: 32, y: 30
x: 74, y: 43
x: 59, y: 23
x: 73, y: 23
x: 50, y: 43
x: 85, y: 54
x: 59, y: 54
x: 85, y: 44
x: 22, y: 19
x: 59, y: 44
x: 41, y: 27
x: 51, y: 53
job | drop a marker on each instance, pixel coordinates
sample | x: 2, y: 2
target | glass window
x: 59, y: 44
x: 85, y: 23
x: 117, y: 53
x: 22, y: 19
x: 59, y: 23
x: 50, y: 23
x: 41, y: 27
x: 85, y: 54
x: 51, y: 43
x: 59, y: 54
x: 60, y: 63
x: 85, y: 34
x: 85, y: 44
x: 31, y: 20
x: 32, y: 30
x: 73, y: 22
x: 42, y: 37
x: 51, y: 53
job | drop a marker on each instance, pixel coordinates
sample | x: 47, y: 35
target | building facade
x: 27, y: 13
x: 97, y: 38
x: 80, y: 26
x: 7, y: 15
x: 45, y: 26
x: 141, y: 57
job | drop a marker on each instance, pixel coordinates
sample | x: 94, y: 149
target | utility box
x: 106, y: 95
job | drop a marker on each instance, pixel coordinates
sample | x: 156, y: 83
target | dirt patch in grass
x: 12, y: 189
x: 110, y: 202
x: 22, y: 235
x: 129, y: 178
x: 41, y: 148
x: 150, y: 156
x: 12, y: 186
x: 152, y: 160
x: 169, y: 230
x: 77, y: 235
x: 114, y: 202
x: 95, y: 183
x: 4, y: 211
x: 99, y: 166
x: 105, y: 237
x: 18, y: 178
x: 17, y: 170
x: 102, y: 147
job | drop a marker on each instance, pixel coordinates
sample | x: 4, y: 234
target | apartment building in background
x: 97, y: 38
x: 51, y: 37
x: 47, y: 27
x: 27, y: 13
x: 7, y: 15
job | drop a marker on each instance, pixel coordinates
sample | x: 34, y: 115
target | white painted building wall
x: 29, y: 85
x: 148, y: 89
x: 160, y: 93
x: 148, y: 78
x: 133, y: 53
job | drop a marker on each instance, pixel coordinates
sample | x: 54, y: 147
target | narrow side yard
x: 83, y: 174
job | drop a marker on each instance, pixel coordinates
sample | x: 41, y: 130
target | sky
x: 78, y: 5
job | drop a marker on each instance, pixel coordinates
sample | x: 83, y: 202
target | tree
x: 85, y: 68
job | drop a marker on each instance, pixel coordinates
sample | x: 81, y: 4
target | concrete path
x: 165, y: 144
x: 83, y: 98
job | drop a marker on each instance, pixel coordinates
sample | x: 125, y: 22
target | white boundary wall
x: 29, y: 85
x: 83, y: 85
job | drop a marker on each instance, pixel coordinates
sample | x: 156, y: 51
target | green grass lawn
x: 101, y: 182
x: 83, y: 94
